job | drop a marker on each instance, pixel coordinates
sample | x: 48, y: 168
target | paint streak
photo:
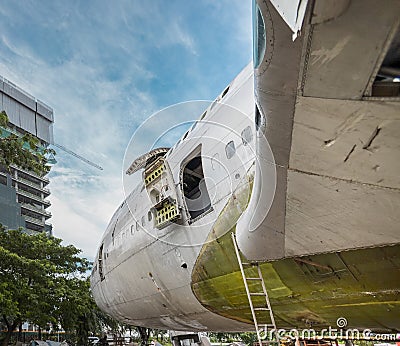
x: 372, y: 138
x: 326, y: 55
x: 350, y: 152
x: 367, y: 303
x: 347, y: 125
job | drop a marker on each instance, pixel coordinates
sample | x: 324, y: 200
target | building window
x: 247, y: 135
x: 230, y: 149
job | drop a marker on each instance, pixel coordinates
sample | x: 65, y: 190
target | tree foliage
x: 248, y: 338
x: 23, y: 151
x: 42, y: 281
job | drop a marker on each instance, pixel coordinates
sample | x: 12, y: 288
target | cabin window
x: 100, y: 262
x: 193, y: 126
x: 113, y: 232
x: 194, y: 188
x: 225, y: 92
x: 132, y: 230
x: 247, y: 135
x: 143, y: 221
x: 149, y: 215
x: 259, y: 36
x: 230, y: 149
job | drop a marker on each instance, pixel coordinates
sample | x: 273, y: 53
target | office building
x: 24, y: 194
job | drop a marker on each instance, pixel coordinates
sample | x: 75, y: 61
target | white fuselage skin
x: 146, y: 271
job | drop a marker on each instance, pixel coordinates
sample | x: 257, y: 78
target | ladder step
x: 242, y: 262
x: 249, y: 263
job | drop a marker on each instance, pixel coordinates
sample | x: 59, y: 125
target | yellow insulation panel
x: 153, y: 175
x: 166, y: 214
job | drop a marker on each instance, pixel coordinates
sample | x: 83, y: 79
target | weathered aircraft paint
x: 310, y: 188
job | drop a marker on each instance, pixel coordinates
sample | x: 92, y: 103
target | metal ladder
x: 264, y: 293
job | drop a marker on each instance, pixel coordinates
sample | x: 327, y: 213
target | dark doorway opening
x: 194, y: 188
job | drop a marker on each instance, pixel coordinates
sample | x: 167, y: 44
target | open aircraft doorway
x: 192, y: 160
x: 196, y: 197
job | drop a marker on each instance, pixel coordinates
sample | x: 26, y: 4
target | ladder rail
x: 253, y: 313
x: 250, y: 294
x: 271, y: 315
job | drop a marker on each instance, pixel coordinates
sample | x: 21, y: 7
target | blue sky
x: 104, y: 67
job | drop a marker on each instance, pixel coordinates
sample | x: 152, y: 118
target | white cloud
x: 91, y: 64
x: 82, y: 204
x: 74, y: 228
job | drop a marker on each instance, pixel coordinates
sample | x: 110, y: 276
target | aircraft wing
x: 328, y: 98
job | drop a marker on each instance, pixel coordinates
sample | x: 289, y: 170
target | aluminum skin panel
x: 343, y: 52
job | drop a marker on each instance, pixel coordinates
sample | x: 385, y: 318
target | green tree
x: 249, y: 338
x: 23, y: 151
x: 41, y: 281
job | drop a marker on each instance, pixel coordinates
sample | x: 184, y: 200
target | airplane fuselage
x: 142, y: 273
x: 298, y: 158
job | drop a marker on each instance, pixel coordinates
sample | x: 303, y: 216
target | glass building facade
x: 23, y: 194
